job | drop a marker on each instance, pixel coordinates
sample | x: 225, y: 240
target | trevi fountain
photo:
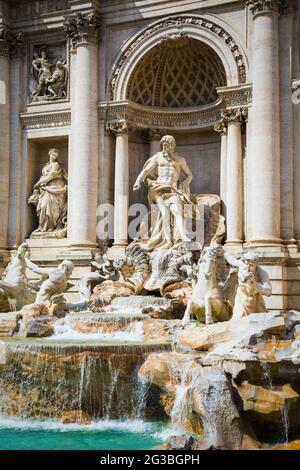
x: 150, y: 225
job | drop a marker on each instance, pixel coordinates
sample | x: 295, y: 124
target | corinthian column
x: 265, y: 146
x: 121, y: 130
x: 221, y: 128
x: 234, y: 177
x: 83, y: 33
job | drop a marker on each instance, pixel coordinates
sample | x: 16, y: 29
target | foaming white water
x: 169, y: 431
x: 134, y: 426
x: 133, y: 332
x: 179, y: 412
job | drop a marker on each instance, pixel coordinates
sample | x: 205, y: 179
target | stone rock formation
x: 241, y: 375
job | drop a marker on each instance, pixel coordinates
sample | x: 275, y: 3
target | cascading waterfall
x: 284, y: 411
x: 180, y: 411
x: 204, y: 391
x: 99, y: 327
x: 285, y: 421
x: 41, y: 379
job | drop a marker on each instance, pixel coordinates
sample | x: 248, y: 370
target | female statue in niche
x: 50, y: 198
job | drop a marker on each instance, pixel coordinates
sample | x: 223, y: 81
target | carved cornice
x: 46, y: 120
x: 237, y: 96
x: 181, y: 21
x: 120, y: 127
x: 83, y: 28
x: 221, y: 127
x: 143, y: 117
x: 264, y: 6
x: 11, y: 44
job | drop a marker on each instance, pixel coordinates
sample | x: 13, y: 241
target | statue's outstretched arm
x: 231, y: 260
x: 263, y: 284
x: 148, y: 169
x: 37, y: 270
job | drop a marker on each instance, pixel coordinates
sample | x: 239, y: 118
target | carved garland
x: 178, y: 20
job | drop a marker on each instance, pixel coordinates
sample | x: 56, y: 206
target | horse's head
x: 208, y: 260
x: 22, y: 250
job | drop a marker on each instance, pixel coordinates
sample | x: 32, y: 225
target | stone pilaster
x: 286, y: 132
x: 10, y: 47
x: 265, y: 146
x: 121, y: 130
x: 234, y: 176
x: 221, y: 128
x: 296, y: 141
x: 83, y: 33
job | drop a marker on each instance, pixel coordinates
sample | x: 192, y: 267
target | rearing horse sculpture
x: 15, y: 289
x: 211, y: 299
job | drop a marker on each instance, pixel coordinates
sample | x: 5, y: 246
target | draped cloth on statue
x: 51, y: 208
x: 52, y: 199
x: 173, y: 199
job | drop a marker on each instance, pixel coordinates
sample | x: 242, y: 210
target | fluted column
x: 265, y: 145
x: 83, y: 33
x: 234, y: 177
x: 221, y: 128
x: 121, y: 129
x: 15, y: 171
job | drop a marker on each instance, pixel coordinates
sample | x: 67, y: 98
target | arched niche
x: 207, y: 30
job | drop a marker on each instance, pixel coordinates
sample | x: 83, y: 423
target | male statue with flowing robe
x: 169, y: 195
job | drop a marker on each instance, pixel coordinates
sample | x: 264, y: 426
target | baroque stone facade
x: 103, y: 86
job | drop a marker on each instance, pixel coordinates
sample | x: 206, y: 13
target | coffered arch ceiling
x: 178, y: 72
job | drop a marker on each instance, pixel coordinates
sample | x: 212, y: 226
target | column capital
x: 258, y: 7
x: 221, y: 127
x: 120, y: 127
x: 11, y: 44
x: 83, y: 28
x: 233, y: 115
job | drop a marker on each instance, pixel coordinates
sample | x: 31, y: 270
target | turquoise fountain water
x: 80, y: 388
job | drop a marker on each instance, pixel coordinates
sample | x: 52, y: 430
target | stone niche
x: 37, y: 152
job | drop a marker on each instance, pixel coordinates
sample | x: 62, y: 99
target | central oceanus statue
x: 169, y: 197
